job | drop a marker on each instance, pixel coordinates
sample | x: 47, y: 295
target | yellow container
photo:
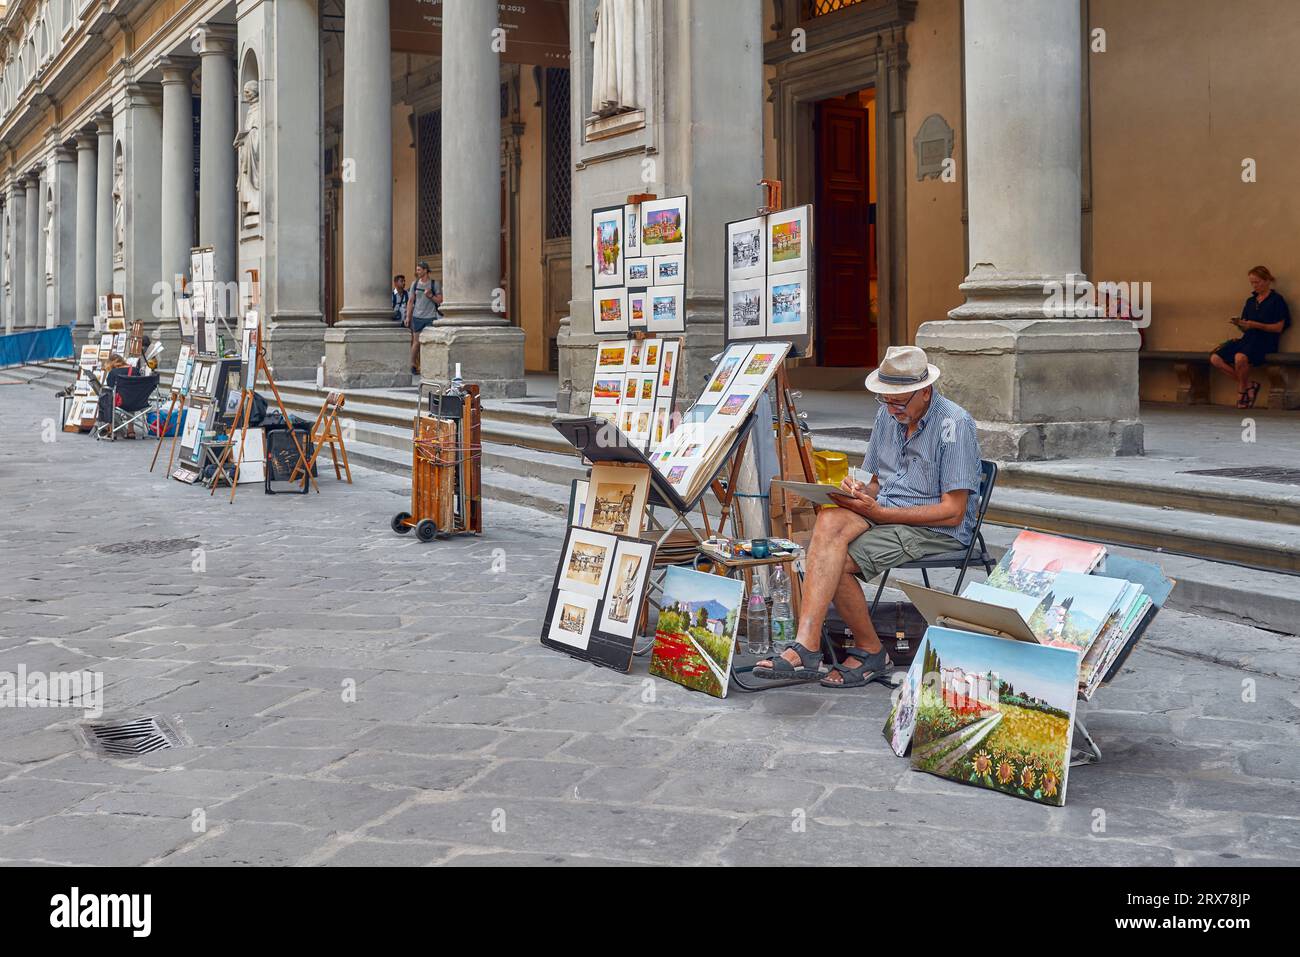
x: 832, y: 468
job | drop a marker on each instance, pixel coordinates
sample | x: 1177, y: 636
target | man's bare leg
x: 835, y: 530
x: 851, y: 603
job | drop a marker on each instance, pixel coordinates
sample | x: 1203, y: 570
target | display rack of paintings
x: 769, y: 277
x: 197, y: 422
x: 600, y: 586
x: 634, y: 387
x: 638, y: 271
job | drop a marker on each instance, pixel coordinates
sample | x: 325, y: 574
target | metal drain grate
x: 846, y: 432
x: 163, y: 546
x: 1260, y: 473
x: 131, y: 738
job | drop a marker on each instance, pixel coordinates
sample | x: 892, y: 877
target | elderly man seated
x: 922, y: 499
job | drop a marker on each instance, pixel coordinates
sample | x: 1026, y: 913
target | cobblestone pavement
x: 468, y: 743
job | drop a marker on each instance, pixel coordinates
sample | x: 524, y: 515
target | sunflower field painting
x: 996, y: 713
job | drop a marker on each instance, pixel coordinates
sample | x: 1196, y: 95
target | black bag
x: 898, y: 623
x: 282, y: 457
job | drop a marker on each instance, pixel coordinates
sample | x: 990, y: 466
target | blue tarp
x: 36, y: 345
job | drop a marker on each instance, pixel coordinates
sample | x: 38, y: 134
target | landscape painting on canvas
x: 696, y: 634
x: 1034, y: 560
x: 902, y: 716
x: 996, y: 713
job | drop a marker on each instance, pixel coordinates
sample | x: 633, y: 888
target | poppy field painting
x: 696, y: 634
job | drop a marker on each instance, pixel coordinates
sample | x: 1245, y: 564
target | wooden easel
x: 326, y: 430
x: 165, y: 424
x: 244, y: 411
x: 135, y: 340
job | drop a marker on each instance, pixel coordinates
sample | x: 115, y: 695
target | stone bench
x: 1193, y: 371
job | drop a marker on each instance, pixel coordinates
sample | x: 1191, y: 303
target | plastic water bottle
x: 757, y: 640
x: 783, y: 629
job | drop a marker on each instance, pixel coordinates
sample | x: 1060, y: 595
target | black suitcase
x: 898, y: 623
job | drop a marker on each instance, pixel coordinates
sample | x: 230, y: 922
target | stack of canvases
x: 997, y: 712
x: 594, y: 612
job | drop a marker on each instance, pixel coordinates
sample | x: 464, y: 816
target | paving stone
x: 328, y: 804
x: 479, y: 709
x: 620, y: 751
x: 565, y: 828
x: 26, y: 798
x: 751, y: 794
x: 530, y: 744
x: 283, y: 760
x: 386, y: 854
x: 407, y: 770
x: 95, y: 839
x: 620, y: 785
x: 242, y: 844
x: 531, y: 779
x: 425, y: 739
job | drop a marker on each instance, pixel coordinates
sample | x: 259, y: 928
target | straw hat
x: 904, y: 369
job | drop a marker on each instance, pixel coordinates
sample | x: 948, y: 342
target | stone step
x: 1271, y: 545
x: 1135, y: 482
x: 499, y: 485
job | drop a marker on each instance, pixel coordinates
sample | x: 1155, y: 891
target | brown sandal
x: 1251, y: 395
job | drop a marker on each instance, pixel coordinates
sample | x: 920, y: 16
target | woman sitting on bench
x: 1263, y: 319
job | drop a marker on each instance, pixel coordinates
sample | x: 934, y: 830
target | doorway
x: 844, y: 228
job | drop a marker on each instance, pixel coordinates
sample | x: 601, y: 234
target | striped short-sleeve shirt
x: 942, y: 455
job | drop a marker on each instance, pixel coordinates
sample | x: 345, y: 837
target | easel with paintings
x: 327, y: 431
x: 178, y: 403
x: 243, y: 413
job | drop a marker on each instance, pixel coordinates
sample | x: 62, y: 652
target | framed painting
x: 663, y: 227
x: 667, y: 309
x: 746, y: 257
x: 640, y: 271
x: 746, y: 308
x: 788, y: 241
x: 631, y: 231
x: 617, y: 494
x: 609, y: 308
x: 607, y: 251
x: 787, y: 305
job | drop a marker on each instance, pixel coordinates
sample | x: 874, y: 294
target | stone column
x: 473, y: 331
x: 63, y: 230
x: 138, y: 124
x: 279, y: 44
x: 366, y: 350
x: 177, y: 189
x: 217, y: 171
x: 104, y: 208
x: 84, y: 301
x: 1039, y: 382
x: 16, y: 206
x: 34, y: 301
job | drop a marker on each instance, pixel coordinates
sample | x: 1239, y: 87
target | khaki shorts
x: 883, y: 547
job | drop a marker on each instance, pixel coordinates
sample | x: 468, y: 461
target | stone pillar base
x: 491, y: 357
x: 367, y: 357
x: 1042, y: 388
x: 294, y: 347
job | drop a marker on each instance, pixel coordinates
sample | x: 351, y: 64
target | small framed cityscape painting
x: 607, y: 252
x: 788, y: 240
x: 667, y: 309
x: 663, y: 227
